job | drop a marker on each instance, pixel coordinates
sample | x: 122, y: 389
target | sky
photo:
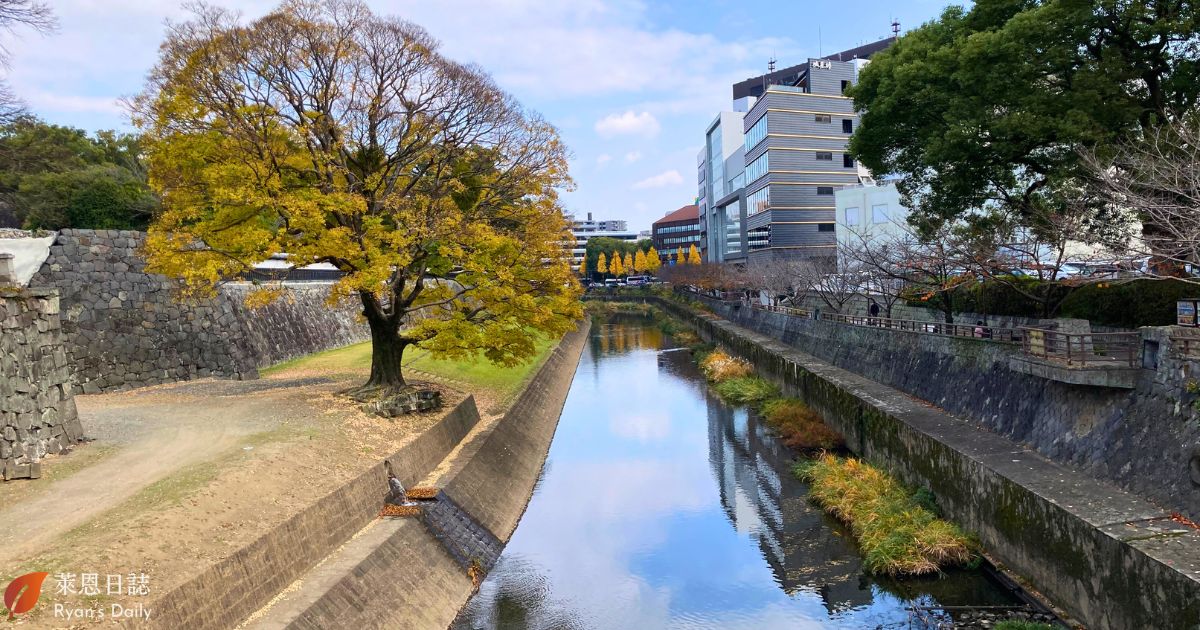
x: 631, y: 84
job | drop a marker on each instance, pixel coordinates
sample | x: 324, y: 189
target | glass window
x: 824, y: 190
x: 823, y: 118
x: 824, y: 156
x: 716, y: 164
x: 852, y: 216
x: 757, y: 168
x: 756, y: 133
x: 879, y: 213
x: 847, y: 126
x: 758, y: 201
x: 847, y: 161
x: 824, y: 227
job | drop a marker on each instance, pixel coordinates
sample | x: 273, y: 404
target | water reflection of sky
x: 662, y: 508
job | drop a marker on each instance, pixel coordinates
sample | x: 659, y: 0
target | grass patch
x: 718, y: 367
x: 896, y: 535
x: 355, y: 361
x: 746, y: 390
x: 799, y: 426
x: 1014, y: 624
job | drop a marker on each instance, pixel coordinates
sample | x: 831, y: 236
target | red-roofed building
x: 680, y: 228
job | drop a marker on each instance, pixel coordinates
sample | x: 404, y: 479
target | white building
x: 869, y: 212
x: 587, y: 229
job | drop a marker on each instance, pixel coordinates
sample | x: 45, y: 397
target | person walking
x: 874, y: 311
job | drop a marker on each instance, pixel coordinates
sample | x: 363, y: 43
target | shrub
x: 1129, y: 304
x: 897, y: 536
x: 718, y: 367
x: 746, y: 390
x: 800, y: 427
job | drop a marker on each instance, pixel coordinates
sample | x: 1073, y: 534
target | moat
x: 662, y: 507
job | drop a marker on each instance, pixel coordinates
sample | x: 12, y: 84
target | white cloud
x: 628, y: 123
x: 633, y: 156
x: 603, y: 158
x: 662, y: 180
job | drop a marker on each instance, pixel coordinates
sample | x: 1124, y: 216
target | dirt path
x: 153, y: 433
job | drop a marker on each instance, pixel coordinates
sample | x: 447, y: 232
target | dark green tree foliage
x: 608, y: 246
x: 989, y: 107
x: 54, y: 177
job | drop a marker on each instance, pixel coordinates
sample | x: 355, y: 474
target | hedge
x: 1123, y: 304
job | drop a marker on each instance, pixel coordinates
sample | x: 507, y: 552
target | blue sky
x: 631, y: 84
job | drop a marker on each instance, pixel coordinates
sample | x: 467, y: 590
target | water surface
x: 662, y: 507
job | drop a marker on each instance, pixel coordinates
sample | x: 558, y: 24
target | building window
x: 758, y: 201
x: 824, y: 190
x: 845, y: 86
x: 757, y: 168
x: 756, y: 133
x: 879, y: 213
x: 847, y: 161
x: 823, y: 118
x: 852, y: 216
x: 824, y: 156
x: 824, y: 227
x: 847, y: 126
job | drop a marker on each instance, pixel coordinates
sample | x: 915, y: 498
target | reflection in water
x: 661, y: 507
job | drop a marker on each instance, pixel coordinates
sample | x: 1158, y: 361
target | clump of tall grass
x: 746, y: 390
x: 896, y: 535
x: 799, y: 426
x: 718, y: 367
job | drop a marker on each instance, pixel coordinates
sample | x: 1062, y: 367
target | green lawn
x: 355, y: 360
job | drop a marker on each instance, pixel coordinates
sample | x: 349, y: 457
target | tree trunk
x: 387, y: 349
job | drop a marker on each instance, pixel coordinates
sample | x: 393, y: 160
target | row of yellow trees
x: 643, y: 262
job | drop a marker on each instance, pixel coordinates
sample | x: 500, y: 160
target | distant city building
x: 585, y: 230
x: 869, y: 213
x: 680, y: 228
x: 778, y: 199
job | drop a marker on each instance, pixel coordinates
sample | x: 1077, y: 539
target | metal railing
x: 976, y: 331
x: 1083, y: 349
x: 787, y: 310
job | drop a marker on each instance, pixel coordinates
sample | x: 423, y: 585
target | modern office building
x: 795, y: 133
x: 680, y: 228
x: 720, y: 181
x: 586, y: 229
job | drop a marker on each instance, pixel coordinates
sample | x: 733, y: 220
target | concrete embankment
x: 398, y: 573
x: 1110, y: 558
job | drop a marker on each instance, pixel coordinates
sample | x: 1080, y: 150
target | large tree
x: 989, y: 107
x: 16, y: 14
x: 333, y: 135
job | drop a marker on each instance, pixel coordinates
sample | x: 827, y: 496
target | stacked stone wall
x: 37, y: 406
x: 124, y: 327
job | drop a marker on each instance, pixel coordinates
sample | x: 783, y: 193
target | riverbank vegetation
x: 897, y: 534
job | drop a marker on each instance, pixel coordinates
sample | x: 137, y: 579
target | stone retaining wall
x: 1147, y: 440
x: 124, y: 328
x: 1110, y: 558
x: 37, y: 400
x: 236, y: 587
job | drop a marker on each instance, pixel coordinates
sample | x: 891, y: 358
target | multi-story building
x: 720, y: 180
x: 680, y: 228
x: 794, y: 152
x: 587, y: 229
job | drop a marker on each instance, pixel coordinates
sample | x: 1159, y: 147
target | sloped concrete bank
x: 412, y: 580
x: 407, y: 578
x: 1108, y: 557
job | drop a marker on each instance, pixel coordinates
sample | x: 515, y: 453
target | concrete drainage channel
x: 336, y: 564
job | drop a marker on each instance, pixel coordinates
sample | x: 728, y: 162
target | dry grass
x: 800, y: 426
x: 720, y: 367
x: 897, y: 536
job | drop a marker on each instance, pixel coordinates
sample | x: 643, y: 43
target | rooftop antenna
x: 895, y: 28
x: 820, y: 44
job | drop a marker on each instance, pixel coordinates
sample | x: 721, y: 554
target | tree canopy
x: 330, y: 134
x: 988, y: 108
x: 54, y: 177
